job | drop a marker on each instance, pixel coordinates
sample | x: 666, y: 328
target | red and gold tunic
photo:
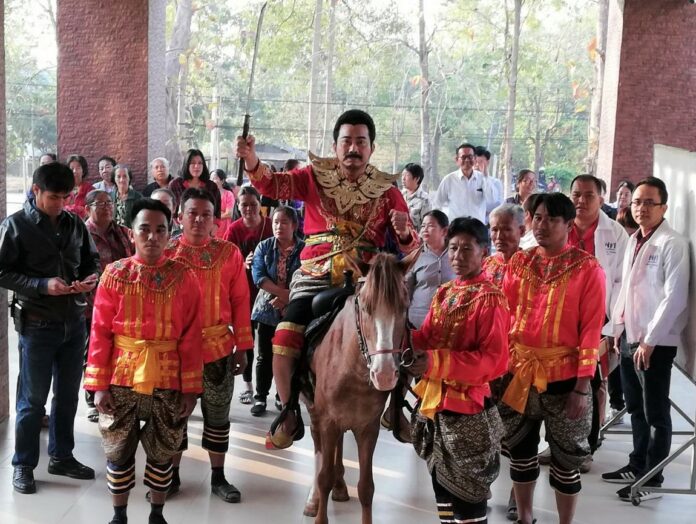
x: 494, y: 267
x: 219, y: 269
x: 465, y: 335
x: 344, y: 220
x: 146, y: 331
x: 557, y: 304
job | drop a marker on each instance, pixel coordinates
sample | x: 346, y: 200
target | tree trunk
x: 327, y: 139
x: 596, y: 107
x: 512, y: 94
x: 178, y: 46
x: 423, y: 51
x: 313, y: 110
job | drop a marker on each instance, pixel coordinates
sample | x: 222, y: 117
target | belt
x: 528, y: 365
x: 147, y: 367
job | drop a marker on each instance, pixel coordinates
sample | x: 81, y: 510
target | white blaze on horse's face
x: 383, y: 371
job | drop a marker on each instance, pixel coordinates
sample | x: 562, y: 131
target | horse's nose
x: 384, y: 380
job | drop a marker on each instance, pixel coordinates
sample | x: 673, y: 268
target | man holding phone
x: 49, y: 260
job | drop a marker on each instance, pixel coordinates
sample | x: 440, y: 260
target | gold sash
x: 215, y: 335
x: 346, y: 241
x: 147, y: 367
x: 529, y: 368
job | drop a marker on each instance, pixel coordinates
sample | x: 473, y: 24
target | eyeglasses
x: 645, y: 203
x: 101, y: 205
x: 466, y: 157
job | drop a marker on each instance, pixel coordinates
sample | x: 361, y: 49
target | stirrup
x: 276, y: 438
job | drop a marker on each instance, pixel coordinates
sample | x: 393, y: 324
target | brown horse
x: 356, y: 367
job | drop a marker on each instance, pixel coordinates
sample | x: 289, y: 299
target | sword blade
x: 255, y: 56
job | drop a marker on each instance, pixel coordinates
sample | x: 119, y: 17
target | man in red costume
x: 219, y: 268
x: 350, y: 210
x: 144, y: 361
x: 556, y: 296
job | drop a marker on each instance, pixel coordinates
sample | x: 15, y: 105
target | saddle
x: 326, y: 306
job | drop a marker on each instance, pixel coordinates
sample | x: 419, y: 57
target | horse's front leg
x: 312, y: 503
x: 326, y: 477
x: 339, y: 493
x: 367, y: 440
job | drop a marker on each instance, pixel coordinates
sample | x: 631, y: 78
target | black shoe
x: 259, y: 408
x: 23, y: 480
x: 641, y: 495
x: 70, y: 467
x: 625, y: 475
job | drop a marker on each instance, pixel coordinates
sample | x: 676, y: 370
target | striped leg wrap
x: 158, y: 477
x: 288, y: 339
x: 445, y: 512
x: 216, y: 439
x: 564, y: 481
x: 120, y: 479
x: 524, y: 470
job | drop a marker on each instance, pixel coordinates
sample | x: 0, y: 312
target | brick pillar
x: 103, y: 81
x: 4, y: 373
x: 649, y: 91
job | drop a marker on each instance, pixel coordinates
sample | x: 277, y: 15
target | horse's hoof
x: 340, y: 493
x: 311, y: 509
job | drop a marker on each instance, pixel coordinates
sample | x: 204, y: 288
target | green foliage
x: 563, y: 173
x: 30, y: 83
x: 375, y: 68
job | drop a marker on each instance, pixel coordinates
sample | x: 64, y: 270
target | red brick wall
x: 102, y: 82
x: 657, y: 84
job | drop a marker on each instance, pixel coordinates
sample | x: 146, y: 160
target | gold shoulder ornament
x: 346, y: 194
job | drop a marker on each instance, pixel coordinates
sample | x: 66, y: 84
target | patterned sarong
x: 463, y: 450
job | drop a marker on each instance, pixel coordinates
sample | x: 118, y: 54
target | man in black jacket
x: 49, y: 260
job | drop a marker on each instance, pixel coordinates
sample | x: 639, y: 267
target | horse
x: 356, y: 365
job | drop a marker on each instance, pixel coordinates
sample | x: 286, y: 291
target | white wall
x: 677, y: 167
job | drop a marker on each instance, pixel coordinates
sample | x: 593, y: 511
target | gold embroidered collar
x: 346, y: 194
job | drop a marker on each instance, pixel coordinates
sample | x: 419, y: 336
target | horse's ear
x: 406, y: 263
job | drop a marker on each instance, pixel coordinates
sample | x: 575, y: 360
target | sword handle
x: 245, y: 133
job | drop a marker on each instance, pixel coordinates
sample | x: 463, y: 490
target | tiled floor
x: 274, y: 485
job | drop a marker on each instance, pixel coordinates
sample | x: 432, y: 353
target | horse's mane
x: 384, y: 289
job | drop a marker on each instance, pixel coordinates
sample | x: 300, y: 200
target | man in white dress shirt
x: 465, y: 192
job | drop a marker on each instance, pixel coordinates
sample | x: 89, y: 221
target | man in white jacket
x: 593, y: 231
x: 652, y: 309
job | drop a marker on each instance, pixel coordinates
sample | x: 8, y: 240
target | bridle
x: 404, y: 349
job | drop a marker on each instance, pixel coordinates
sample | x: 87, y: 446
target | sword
x: 245, y: 128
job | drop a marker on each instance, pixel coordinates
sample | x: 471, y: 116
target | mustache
x: 354, y: 155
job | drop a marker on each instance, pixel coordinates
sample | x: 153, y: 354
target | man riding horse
x: 351, y: 210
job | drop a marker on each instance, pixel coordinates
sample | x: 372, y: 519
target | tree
x: 597, y: 50
x: 314, y: 80
x: 512, y: 64
x: 176, y: 79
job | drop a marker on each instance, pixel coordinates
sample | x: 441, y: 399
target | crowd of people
x: 537, y: 309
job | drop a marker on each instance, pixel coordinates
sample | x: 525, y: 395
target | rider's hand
x: 246, y: 150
